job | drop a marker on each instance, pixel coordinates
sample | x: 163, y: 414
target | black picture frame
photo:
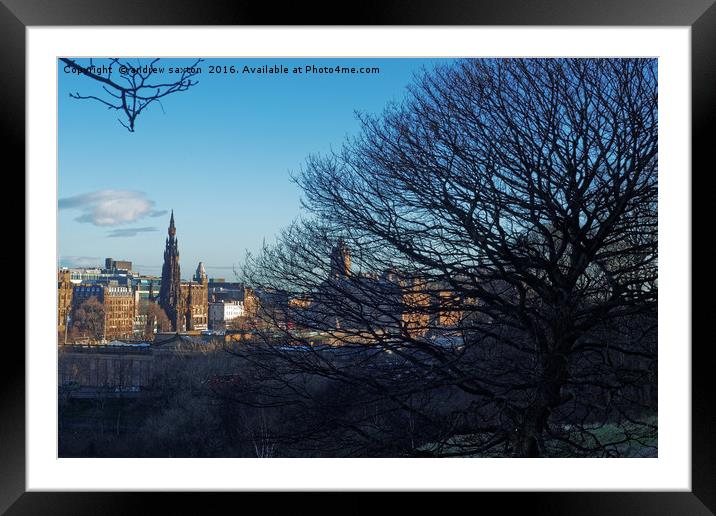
x: 17, y: 15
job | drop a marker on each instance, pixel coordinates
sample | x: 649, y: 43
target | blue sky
x: 220, y: 155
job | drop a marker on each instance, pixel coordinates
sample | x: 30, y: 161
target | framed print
x: 420, y: 252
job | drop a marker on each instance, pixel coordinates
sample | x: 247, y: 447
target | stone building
x: 223, y: 313
x: 195, y: 300
x: 117, y: 369
x: 430, y: 306
x: 64, y: 300
x: 393, y: 301
x: 340, y: 260
x: 119, y: 308
x: 185, y: 303
x: 112, y: 265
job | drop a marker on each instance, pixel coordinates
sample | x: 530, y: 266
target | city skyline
x: 219, y: 155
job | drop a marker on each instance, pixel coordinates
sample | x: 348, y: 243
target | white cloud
x: 110, y: 207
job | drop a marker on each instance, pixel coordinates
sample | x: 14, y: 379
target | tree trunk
x: 529, y: 440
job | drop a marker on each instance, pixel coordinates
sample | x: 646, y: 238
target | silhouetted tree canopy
x: 502, y: 222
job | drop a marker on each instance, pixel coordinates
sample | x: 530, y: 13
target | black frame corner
x: 700, y: 15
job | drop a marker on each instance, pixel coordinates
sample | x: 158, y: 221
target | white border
x: 670, y: 471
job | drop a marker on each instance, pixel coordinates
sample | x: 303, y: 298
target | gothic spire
x: 200, y: 274
x: 172, y: 229
x: 170, y: 296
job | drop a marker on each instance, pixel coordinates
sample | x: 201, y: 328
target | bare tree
x: 156, y: 318
x: 129, y: 87
x: 502, y: 222
x: 88, y: 320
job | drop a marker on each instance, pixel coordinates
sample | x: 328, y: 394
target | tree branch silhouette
x: 128, y: 88
x: 503, y: 227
